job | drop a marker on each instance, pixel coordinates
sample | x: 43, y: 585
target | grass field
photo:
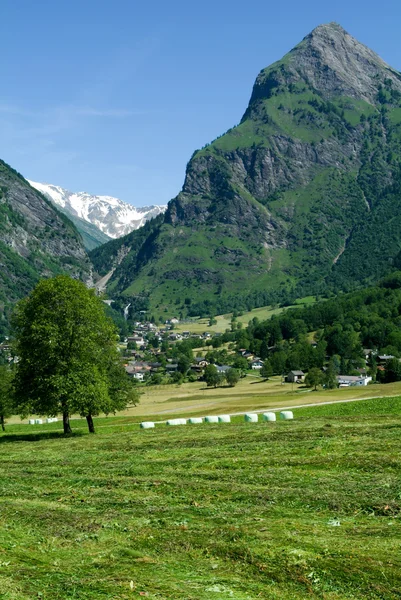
x: 251, y: 393
x: 286, y: 510
x: 224, y: 321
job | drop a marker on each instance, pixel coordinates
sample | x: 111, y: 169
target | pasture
x: 298, y: 509
x: 198, y: 325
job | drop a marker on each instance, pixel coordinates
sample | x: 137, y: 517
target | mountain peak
x: 333, y: 63
x: 110, y: 215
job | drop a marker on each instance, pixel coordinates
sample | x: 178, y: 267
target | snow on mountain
x: 111, y: 215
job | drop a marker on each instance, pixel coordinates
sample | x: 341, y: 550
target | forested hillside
x: 36, y: 240
x: 302, y: 196
x: 341, y: 328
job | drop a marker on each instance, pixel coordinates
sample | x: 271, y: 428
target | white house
x: 139, y: 375
x: 353, y: 380
x: 257, y: 364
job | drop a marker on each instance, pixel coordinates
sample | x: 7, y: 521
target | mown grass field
x: 224, y: 321
x: 251, y: 393
x: 286, y: 510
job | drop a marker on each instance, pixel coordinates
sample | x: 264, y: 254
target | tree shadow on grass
x: 37, y: 437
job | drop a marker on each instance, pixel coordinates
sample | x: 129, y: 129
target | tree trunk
x: 66, y: 422
x: 91, y: 425
x: 2, y: 422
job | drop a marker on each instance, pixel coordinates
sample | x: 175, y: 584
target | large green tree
x: 314, y: 378
x: 6, y: 397
x: 68, y: 356
x: 211, y: 376
x: 232, y: 377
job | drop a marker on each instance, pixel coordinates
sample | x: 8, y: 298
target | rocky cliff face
x: 289, y: 198
x: 35, y: 240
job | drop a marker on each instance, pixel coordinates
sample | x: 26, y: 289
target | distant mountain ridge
x: 304, y: 195
x: 111, y: 216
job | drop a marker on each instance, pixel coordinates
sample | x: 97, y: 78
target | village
x: 160, y: 354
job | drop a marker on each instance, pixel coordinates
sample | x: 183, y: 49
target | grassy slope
x: 224, y: 321
x: 290, y: 510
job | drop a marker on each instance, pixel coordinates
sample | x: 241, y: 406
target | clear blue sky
x: 113, y: 97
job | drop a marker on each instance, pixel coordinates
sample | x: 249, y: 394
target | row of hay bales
x: 40, y: 421
x: 285, y: 415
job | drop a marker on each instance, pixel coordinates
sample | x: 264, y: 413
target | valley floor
x: 251, y: 393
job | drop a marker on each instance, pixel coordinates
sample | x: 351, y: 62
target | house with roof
x: 199, y: 363
x: 353, y: 380
x: 257, y: 364
x: 296, y: 377
x: 222, y: 369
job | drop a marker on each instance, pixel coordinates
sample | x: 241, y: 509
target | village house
x: 382, y: 358
x: 222, y: 369
x: 174, y: 337
x: 199, y: 364
x: 139, y: 375
x: 257, y: 364
x: 353, y: 380
x: 296, y: 377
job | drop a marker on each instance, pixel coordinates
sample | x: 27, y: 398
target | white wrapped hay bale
x: 38, y: 421
x: 224, y: 419
x: 31, y: 421
x: 195, y: 420
x: 286, y: 415
x: 49, y: 420
x: 176, y: 422
x: 211, y: 419
x: 269, y: 416
x: 55, y: 419
x: 251, y: 418
x: 147, y: 425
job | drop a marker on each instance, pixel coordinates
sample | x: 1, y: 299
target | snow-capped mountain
x: 112, y: 216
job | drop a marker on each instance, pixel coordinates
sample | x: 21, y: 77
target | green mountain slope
x: 36, y: 240
x: 302, y: 195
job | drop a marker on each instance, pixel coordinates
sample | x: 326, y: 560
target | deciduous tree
x: 68, y: 356
x: 232, y: 377
x: 211, y: 376
x: 314, y: 378
x: 6, y: 398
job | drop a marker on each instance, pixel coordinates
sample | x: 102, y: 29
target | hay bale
x: 269, y: 416
x: 224, y: 419
x: 286, y: 415
x: 195, y: 420
x: 251, y: 418
x: 182, y: 421
x: 49, y: 420
x: 172, y: 422
x: 31, y: 421
x: 211, y: 419
x: 147, y: 425
x: 38, y: 421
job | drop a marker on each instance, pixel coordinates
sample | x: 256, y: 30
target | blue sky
x: 113, y: 97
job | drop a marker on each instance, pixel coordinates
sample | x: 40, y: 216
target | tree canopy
x: 68, y: 356
x: 6, y: 397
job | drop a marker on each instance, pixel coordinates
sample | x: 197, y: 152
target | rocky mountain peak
x: 332, y: 62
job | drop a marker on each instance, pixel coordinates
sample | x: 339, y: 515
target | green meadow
x: 298, y: 509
